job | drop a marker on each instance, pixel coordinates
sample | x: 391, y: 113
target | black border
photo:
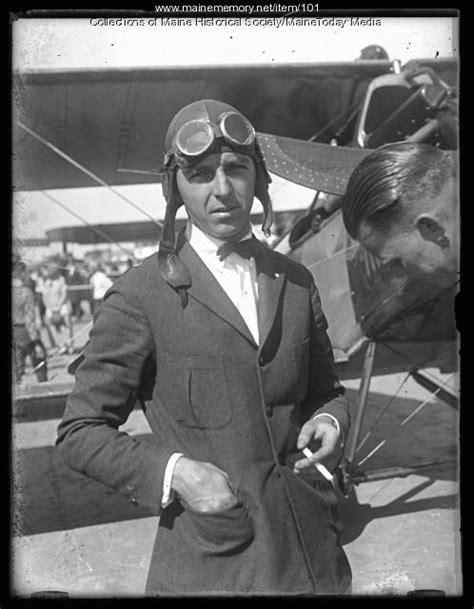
x: 430, y: 10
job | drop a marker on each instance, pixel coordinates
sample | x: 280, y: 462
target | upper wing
x: 114, y: 120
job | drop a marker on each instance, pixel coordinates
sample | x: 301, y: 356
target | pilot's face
x: 218, y: 193
x: 413, y: 250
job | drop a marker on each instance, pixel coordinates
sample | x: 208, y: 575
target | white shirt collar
x: 206, y: 246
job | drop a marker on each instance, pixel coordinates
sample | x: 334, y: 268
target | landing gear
x: 348, y: 474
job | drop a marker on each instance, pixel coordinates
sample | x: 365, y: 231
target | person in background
x: 41, y: 278
x: 100, y: 283
x: 26, y: 337
x: 58, y: 310
x: 373, y: 51
x: 74, y: 278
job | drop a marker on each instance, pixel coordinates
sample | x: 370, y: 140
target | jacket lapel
x: 271, y: 271
x: 206, y: 289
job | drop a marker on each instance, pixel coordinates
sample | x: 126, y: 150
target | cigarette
x: 319, y: 466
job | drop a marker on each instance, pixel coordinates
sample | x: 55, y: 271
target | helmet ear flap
x: 167, y: 174
x: 173, y: 271
x: 263, y: 179
x: 261, y: 192
x: 173, y: 202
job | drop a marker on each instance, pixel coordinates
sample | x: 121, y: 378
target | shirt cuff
x: 167, y: 496
x: 335, y: 421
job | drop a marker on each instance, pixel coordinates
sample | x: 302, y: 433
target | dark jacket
x: 210, y: 392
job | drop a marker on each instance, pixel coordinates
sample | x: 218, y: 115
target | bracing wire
x: 86, y: 171
x: 386, y: 407
x: 93, y: 228
x: 343, y: 251
x: 404, y: 422
x: 428, y: 374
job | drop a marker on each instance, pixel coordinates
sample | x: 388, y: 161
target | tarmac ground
x: 401, y: 534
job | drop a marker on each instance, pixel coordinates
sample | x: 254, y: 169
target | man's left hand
x: 320, y: 432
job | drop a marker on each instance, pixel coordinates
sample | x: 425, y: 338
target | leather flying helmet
x: 201, y: 128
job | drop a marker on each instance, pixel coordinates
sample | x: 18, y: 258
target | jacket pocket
x: 224, y: 533
x: 301, y: 361
x: 208, y: 401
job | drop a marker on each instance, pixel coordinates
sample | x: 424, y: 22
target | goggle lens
x: 237, y: 129
x: 195, y: 137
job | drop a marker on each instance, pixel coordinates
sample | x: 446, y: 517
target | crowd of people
x: 48, y: 298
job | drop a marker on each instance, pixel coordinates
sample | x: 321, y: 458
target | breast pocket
x: 301, y: 362
x: 208, y: 405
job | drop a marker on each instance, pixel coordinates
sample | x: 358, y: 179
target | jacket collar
x: 271, y: 277
x: 271, y: 274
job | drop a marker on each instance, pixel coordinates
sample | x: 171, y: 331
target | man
x: 373, y: 51
x: 73, y: 279
x: 100, y: 283
x: 58, y: 310
x: 26, y: 337
x: 229, y: 355
x: 402, y: 204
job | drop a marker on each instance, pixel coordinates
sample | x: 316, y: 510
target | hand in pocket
x: 218, y: 518
x: 202, y: 487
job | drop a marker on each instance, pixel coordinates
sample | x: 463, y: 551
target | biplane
x: 79, y: 129
x: 408, y: 320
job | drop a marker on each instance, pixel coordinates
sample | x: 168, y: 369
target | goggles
x: 197, y: 136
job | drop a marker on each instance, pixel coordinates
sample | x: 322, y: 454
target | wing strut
x: 345, y: 470
x: 363, y: 395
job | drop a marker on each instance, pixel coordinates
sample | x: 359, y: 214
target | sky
x: 73, y: 43
x: 59, y: 44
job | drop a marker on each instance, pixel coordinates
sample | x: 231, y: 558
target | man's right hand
x: 202, y: 487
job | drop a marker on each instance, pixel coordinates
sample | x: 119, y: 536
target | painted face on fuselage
x: 218, y: 192
x: 415, y: 252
